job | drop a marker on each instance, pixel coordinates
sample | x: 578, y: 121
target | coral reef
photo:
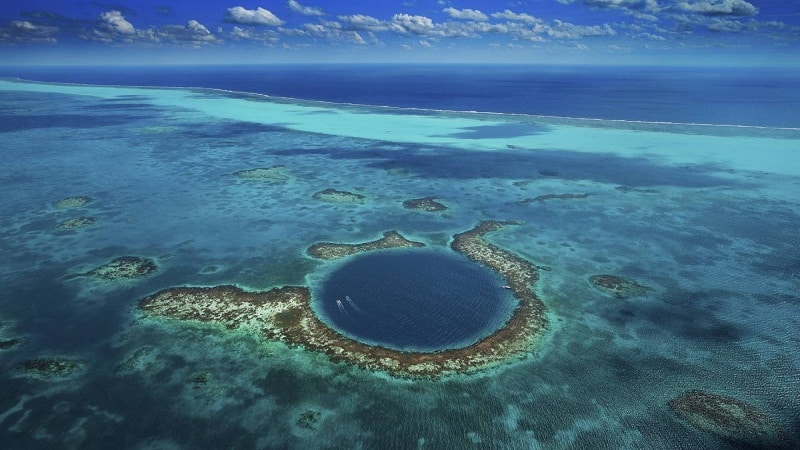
x: 627, y: 189
x: 272, y: 173
x: 47, y: 368
x: 331, y: 250
x: 544, y: 197
x: 7, y: 344
x: 617, y: 286
x: 72, y: 202
x: 427, y: 204
x: 333, y: 196
x: 124, y: 267
x: 77, y: 222
x: 285, y: 314
x: 730, y: 419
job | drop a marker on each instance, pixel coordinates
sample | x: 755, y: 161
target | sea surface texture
x: 660, y: 208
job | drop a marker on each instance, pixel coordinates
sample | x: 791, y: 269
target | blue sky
x: 725, y: 32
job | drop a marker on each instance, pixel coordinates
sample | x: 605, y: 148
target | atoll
x: 331, y: 250
x: 333, y: 196
x: 47, y: 368
x: 730, y: 419
x: 544, y: 197
x: 427, y: 204
x: 285, y: 314
x: 272, y: 173
x: 124, y: 267
x: 617, y: 286
x: 72, y: 202
x: 77, y: 222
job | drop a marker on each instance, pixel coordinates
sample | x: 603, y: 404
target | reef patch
x: 122, y: 268
x: 49, y: 368
x: 77, y: 222
x: 619, y: 287
x: 285, y: 314
x: 73, y: 202
x: 332, y: 250
x: 730, y: 419
x: 545, y: 197
x: 333, y: 196
x: 270, y: 174
x: 427, y: 204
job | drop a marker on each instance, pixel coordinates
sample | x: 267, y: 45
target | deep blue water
x: 758, y: 97
x: 415, y: 300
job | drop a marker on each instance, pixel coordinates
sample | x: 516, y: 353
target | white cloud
x: 361, y: 22
x: 425, y: 44
x: 355, y: 37
x: 193, y: 33
x: 413, y: 24
x: 258, y: 16
x: 466, y: 14
x: 24, y: 32
x: 719, y: 7
x: 515, y: 17
x: 113, y: 22
x: 566, y: 30
x: 305, y: 10
x: 629, y: 4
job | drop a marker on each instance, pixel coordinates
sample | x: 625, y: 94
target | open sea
x: 684, y: 182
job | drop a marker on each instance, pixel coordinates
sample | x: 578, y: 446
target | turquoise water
x: 705, y: 216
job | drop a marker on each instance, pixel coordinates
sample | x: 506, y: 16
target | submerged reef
x: 333, y: 196
x: 72, y: 202
x: 124, y: 267
x: 77, y: 222
x: 627, y: 189
x: 7, y: 344
x: 285, y: 314
x: 730, y: 419
x: 617, y: 286
x: 427, y: 204
x: 48, y: 368
x: 331, y: 250
x: 272, y: 173
x: 544, y: 197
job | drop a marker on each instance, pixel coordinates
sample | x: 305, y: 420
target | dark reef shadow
x: 514, y: 164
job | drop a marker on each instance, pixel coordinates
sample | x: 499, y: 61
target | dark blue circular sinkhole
x: 414, y: 300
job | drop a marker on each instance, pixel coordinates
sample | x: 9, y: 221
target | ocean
x: 652, y: 213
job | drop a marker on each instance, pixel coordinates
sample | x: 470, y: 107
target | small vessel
x: 341, y: 306
x: 505, y: 286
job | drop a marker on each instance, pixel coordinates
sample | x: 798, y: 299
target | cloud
x: 305, y: 10
x: 651, y: 5
x: 719, y: 7
x: 566, y: 30
x: 466, y: 14
x: 24, y: 32
x: 516, y: 17
x: 258, y: 16
x: 413, y: 24
x: 193, y: 33
x: 113, y: 22
x: 360, y: 22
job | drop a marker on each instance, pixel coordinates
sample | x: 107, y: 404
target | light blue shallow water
x: 706, y: 218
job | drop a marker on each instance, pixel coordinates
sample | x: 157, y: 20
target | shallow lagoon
x: 705, y: 217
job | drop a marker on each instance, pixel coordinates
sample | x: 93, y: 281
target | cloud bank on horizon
x: 468, y: 30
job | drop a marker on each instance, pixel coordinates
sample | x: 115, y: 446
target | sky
x: 643, y: 32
